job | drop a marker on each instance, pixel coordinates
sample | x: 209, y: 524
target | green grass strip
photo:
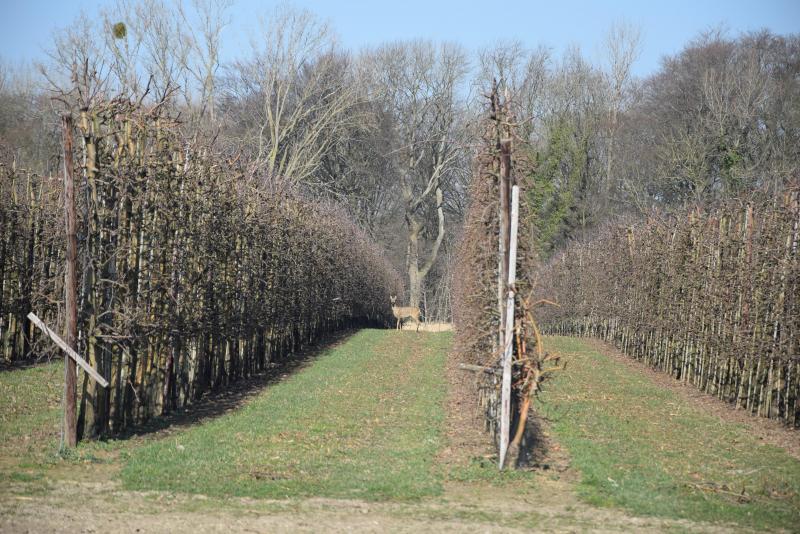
x: 30, y: 411
x: 364, y: 420
x: 641, y: 447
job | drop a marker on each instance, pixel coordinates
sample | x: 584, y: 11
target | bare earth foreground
x: 106, y: 487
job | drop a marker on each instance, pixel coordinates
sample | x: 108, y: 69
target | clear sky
x: 26, y: 25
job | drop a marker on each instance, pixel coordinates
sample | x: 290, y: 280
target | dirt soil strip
x: 769, y: 431
x: 465, y: 437
x: 104, y: 507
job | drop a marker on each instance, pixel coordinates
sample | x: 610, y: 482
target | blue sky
x: 26, y: 25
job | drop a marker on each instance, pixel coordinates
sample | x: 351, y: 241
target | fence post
x: 508, y: 352
x: 70, y: 289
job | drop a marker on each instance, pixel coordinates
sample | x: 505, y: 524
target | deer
x: 404, y: 312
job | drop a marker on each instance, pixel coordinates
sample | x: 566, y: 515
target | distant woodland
x: 389, y: 133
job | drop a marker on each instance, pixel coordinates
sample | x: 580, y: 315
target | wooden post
x: 503, y: 169
x: 505, y: 392
x: 70, y: 289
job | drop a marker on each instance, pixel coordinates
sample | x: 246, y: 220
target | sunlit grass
x: 30, y: 411
x: 363, y: 421
x: 641, y: 447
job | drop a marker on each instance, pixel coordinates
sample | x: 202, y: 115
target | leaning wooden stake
x: 70, y: 289
x: 505, y: 392
x: 68, y: 350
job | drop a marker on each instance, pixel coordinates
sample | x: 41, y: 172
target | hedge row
x: 711, y: 297
x: 193, y: 272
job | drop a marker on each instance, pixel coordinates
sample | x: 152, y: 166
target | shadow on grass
x: 10, y: 367
x: 533, y: 447
x: 538, y: 450
x: 217, y: 403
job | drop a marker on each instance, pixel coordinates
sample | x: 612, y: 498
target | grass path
x: 641, y: 447
x: 364, y: 421
x: 30, y: 410
x: 357, y: 438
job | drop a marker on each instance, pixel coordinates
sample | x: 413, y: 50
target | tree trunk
x: 417, y: 274
x: 414, y: 278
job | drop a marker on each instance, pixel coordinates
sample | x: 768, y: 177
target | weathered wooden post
x: 70, y: 288
x: 503, y: 147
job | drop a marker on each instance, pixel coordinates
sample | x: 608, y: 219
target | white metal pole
x: 505, y: 392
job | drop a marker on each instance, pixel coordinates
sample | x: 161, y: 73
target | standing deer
x: 403, y: 312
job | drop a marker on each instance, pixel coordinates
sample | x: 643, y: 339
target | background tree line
x: 389, y: 133
x: 711, y: 297
x: 717, y: 120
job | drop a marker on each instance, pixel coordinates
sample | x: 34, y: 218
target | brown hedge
x: 193, y: 273
x: 711, y: 297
